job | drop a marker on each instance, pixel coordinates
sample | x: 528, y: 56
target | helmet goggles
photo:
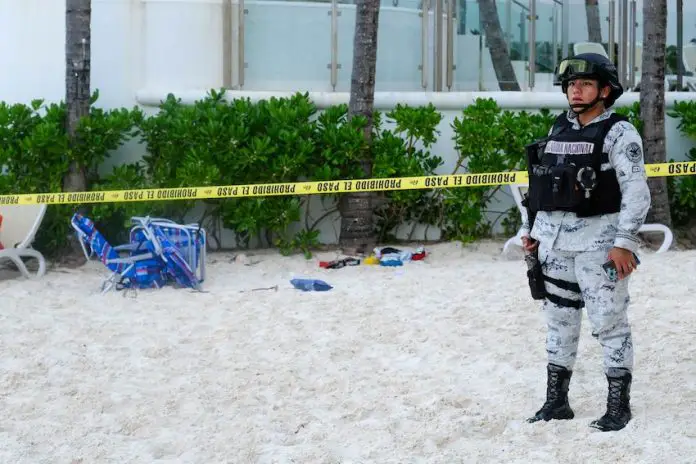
x: 573, y: 67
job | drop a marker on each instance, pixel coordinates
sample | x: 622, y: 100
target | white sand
x: 436, y: 362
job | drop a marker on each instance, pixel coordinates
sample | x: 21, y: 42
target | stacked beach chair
x: 160, y: 252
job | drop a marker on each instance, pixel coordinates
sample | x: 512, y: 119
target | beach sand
x: 438, y: 361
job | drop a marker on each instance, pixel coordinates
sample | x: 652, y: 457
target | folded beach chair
x: 141, y: 267
x: 177, y: 266
x: 190, y: 239
x: 19, y: 227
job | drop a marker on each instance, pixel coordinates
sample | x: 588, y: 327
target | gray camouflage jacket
x: 564, y: 231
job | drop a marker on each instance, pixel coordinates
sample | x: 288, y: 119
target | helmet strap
x: 584, y: 107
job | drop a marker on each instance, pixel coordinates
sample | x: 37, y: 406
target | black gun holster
x: 535, y: 277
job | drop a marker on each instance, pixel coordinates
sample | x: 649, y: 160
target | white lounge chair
x: 517, y: 239
x: 668, y: 236
x: 19, y: 227
x: 516, y: 191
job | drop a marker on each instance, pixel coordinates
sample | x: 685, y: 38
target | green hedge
x: 221, y: 142
x: 682, y: 190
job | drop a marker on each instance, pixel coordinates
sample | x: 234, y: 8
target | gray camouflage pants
x: 572, y: 278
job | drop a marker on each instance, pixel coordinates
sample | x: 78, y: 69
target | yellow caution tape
x: 308, y: 188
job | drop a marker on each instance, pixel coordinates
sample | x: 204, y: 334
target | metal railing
x: 227, y: 44
x: 241, y: 11
x: 532, y: 44
x: 627, y: 40
x: 451, y: 25
x: 439, y: 39
x: 612, y: 29
x: 333, y: 66
x: 228, y: 41
x: 425, y: 35
x: 632, y: 45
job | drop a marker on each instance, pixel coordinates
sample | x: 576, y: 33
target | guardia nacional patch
x: 634, y: 152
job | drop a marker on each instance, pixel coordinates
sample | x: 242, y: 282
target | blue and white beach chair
x: 152, y: 261
x: 141, y: 267
x: 190, y: 239
x: 179, y: 268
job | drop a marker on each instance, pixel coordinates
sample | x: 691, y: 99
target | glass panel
x: 688, y: 57
x: 472, y: 56
x: 469, y: 61
x: 672, y: 58
x: 546, y: 44
x: 577, y: 28
x: 287, y: 46
x: 399, y: 46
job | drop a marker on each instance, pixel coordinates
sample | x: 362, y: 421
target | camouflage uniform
x: 573, y: 249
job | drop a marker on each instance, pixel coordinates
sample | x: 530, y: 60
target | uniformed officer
x: 588, y: 197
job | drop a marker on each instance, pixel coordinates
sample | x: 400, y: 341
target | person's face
x: 584, y: 91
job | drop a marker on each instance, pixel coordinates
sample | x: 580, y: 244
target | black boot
x: 556, y: 405
x: 618, y: 403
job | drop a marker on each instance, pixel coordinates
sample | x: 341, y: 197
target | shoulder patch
x: 634, y: 152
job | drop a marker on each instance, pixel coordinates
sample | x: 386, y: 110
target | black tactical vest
x: 564, y: 170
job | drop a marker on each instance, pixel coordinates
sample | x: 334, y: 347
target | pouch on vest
x: 533, y: 150
x: 536, y: 183
x: 564, y: 186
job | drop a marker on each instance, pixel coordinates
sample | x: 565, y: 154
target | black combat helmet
x: 590, y: 66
